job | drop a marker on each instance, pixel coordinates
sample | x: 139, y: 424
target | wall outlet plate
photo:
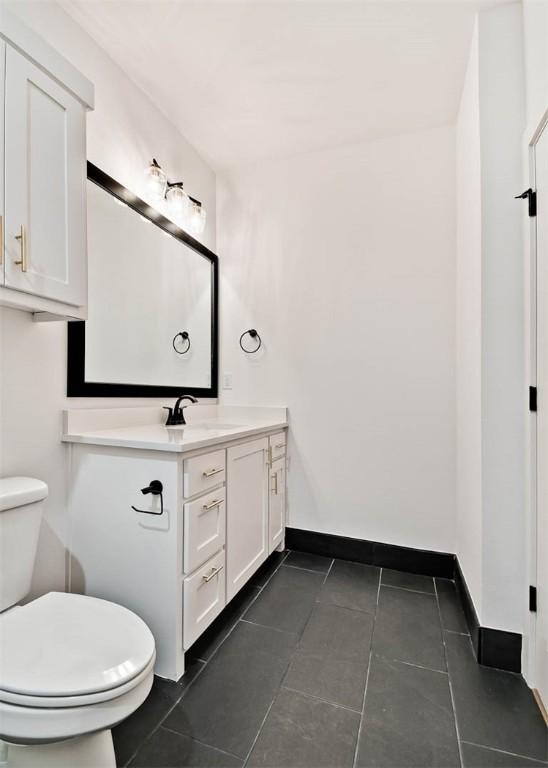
x: 227, y: 381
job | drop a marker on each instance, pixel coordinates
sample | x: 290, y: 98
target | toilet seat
x: 64, y: 650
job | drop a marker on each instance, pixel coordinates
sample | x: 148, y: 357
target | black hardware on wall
x: 533, y: 399
x: 156, y: 488
x: 531, y: 196
x: 533, y: 599
x: 253, y: 334
x: 185, y: 338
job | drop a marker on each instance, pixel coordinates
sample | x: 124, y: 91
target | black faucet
x: 175, y: 415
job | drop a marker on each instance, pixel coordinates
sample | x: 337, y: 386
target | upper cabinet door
x: 45, y: 173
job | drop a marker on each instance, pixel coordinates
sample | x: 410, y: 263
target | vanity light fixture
x: 197, y: 218
x: 156, y: 181
x: 183, y: 209
x: 177, y: 200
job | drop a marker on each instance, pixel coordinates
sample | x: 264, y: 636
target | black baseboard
x: 420, y: 561
x: 493, y: 647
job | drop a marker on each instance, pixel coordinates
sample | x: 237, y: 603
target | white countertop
x: 144, y: 427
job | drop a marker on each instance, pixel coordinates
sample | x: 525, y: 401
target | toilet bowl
x: 71, y: 666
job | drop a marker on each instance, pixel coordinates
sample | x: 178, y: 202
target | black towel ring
x: 185, y: 337
x: 254, y: 335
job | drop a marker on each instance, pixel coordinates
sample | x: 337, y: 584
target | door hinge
x: 531, y: 196
x: 533, y: 399
x: 533, y: 599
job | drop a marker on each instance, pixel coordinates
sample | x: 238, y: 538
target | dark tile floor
x: 329, y: 664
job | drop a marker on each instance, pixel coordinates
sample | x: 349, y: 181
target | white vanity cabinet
x: 43, y: 152
x: 222, y: 513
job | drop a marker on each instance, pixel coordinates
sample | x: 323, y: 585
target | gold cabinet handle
x: 211, y: 472
x: 212, y: 505
x: 214, y: 571
x: 22, y: 237
x: 280, y: 445
x: 274, y: 487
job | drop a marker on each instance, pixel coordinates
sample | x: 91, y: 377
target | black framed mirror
x: 152, y: 327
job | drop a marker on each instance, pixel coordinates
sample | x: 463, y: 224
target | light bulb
x: 156, y: 181
x: 178, y: 202
x: 197, y: 218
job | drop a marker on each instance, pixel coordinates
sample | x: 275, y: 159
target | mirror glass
x: 151, y: 307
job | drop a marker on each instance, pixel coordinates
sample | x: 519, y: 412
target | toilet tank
x: 21, y: 501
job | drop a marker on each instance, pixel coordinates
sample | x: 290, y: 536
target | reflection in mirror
x: 152, y: 305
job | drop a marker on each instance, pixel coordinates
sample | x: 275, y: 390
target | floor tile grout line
x: 457, y: 732
x: 202, y: 743
x: 329, y: 570
x: 505, y: 752
x: 360, y: 726
x: 320, y: 698
x: 307, y: 570
x: 362, y: 718
x: 408, y: 589
x: 417, y: 666
x: 266, y: 626
x: 256, y: 739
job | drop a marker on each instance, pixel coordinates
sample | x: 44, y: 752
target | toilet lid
x: 69, y: 645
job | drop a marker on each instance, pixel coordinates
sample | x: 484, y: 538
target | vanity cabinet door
x: 276, y: 510
x: 45, y: 175
x: 247, y: 512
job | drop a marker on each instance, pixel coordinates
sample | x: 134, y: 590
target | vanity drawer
x: 203, y: 472
x: 204, y: 598
x: 204, y: 528
x: 277, y: 445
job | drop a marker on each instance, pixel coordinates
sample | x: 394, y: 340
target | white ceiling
x: 250, y: 80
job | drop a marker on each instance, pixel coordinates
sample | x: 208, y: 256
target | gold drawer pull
x: 212, y: 573
x: 22, y: 237
x: 280, y: 445
x: 212, y: 505
x: 211, y: 472
x: 274, y: 487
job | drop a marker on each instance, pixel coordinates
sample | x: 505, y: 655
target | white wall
x: 535, y: 30
x: 490, y: 317
x: 124, y: 131
x: 468, y: 368
x: 344, y: 261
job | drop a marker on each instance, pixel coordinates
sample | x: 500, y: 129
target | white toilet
x: 71, y: 666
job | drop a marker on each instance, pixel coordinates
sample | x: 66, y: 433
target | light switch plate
x: 227, y: 381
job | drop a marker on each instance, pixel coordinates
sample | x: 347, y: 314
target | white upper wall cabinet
x: 44, y: 248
